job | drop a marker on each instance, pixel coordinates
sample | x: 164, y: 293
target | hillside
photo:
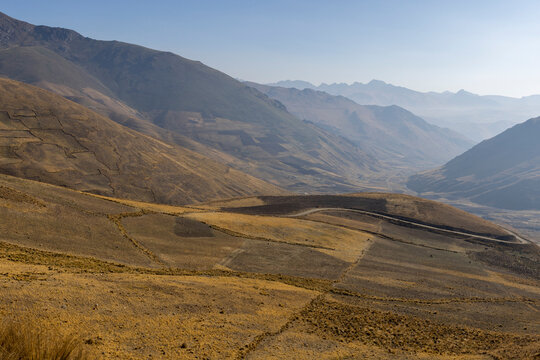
x: 391, y: 134
x: 45, y: 137
x: 216, y: 283
x: 132, y: 85
x: 502, y: 172
x: 475, y: 116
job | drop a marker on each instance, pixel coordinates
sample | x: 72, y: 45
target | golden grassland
x: 234, y: 202
x: 27, y: 339
x: 159, y: 208
x: 81, y: 269
x: 136, y: 315
x: 343, y: 243
x: 127, y: 315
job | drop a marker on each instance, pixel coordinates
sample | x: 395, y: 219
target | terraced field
x: 250, y: 279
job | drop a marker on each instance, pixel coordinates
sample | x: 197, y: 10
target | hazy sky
x: 487, y: 47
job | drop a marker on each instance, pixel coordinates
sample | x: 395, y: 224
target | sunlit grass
x: 23, y: 339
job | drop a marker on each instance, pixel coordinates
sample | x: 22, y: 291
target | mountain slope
x: 391, y: 134
x: 185, y: 97
x: 48, y: 138
x: 503, y: 171
x: 477, y: 117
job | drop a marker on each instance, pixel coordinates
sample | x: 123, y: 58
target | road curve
x: 408, y: 222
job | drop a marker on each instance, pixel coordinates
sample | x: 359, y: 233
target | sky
x: 485, y: 47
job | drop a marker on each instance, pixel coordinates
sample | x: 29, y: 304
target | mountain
x: 298, y: 84
x: 477, y: 117
x: 391, y: 134
x: 47, y: 138
x: 502, y: 172
x: 186, y: 102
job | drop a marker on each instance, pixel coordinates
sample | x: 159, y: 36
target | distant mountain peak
x: 464, y: 92
x: 376, y: 82
x: 298, y: 84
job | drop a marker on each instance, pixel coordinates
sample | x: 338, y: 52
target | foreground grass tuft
x: 20, y: 340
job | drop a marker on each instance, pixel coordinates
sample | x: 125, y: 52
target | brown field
x: 343, y: 243
x: 398, y: 205
x: 132, y: 280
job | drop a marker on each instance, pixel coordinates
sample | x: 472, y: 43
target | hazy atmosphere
x: 486, y: 47
x: 257, y: 180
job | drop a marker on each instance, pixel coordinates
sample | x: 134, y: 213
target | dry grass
x: 18, y: 196
x: 337, y: 241
x: 231, y: 203
x: 432, y: 212
x: 138, y: 316
x: 21, y: 339
x: 159, y: 208
x: 393, y: 300
x: 48, y: 137
x: 399, y: 332
x: 78, y: 264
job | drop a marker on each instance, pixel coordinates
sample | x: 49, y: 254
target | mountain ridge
x: 187, y: 98
x: 391, y: 134
x: 476, y: 116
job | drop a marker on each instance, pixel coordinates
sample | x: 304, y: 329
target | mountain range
x: 152, y: 207
x: 213, y: 136
x: 397, y: 138
x: 477, y: 117
x: 186, y: 103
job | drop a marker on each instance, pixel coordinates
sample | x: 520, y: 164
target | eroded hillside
x: 48, y: 138
x: 222, y: 118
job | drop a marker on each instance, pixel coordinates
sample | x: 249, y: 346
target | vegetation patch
x: 343, y: 243
x: 394, y: 331
x: 21, y: 339
x: 525, y: 261
x: 18, y: 196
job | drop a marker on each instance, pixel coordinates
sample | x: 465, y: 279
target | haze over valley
x: 153, y: 206
x: 474, y: 116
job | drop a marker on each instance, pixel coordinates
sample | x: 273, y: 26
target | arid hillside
x: 45, y: 137
x: 399, y: 206
x: 272, y: 279
x: 502, y: 172
x: 223, y: 118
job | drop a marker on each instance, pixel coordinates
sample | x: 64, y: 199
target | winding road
x: 413, y: 223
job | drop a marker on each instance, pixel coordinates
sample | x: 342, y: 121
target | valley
x: 478, y: 117
x: 402, y: 141
x: 154, y: 207
x: 501, y: 172
x: 186, y: 103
